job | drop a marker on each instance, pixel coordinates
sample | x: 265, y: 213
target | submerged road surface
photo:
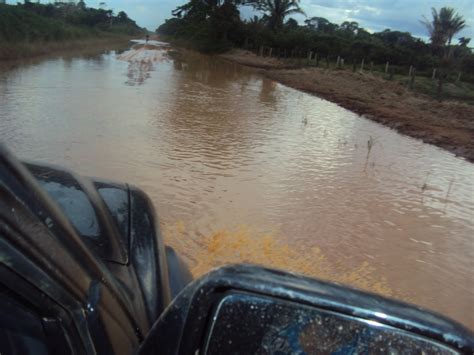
x: 242, y: 168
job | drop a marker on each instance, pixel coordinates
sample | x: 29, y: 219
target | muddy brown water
x: 242, y: 168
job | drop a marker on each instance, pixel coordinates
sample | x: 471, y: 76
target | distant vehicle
x: 83, y: 270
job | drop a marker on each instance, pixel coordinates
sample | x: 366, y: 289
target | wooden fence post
x: 458, y: 79
x: 386, y: 67
x: 434, y: 74
x: 270, y: 53
x: 362, y: 65
x: 337, y: 62
x: 411, y: 69
x: 412, y: 78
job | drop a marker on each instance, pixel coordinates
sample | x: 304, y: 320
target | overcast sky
x: 374, y: 15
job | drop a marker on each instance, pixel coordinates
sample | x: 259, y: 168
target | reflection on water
x: 141, y: 60
x: 218, y: 147
x: 138, y: 72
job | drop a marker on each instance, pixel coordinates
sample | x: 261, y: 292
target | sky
x: 374, y: 15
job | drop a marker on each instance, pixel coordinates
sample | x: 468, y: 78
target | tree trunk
x: 449, y: 46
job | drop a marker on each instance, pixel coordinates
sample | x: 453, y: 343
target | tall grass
x: 19, y: 25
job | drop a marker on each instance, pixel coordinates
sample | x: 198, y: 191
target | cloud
x: 403, y: 15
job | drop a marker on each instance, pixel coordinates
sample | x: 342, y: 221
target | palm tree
x: 277, y: 10
x: 444, y: 25
x: 442, y: 28
x: 464, y: 41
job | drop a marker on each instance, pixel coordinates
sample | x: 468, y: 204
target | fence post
x: 362, y: 65
x: 337, y: 62
x: 458, y: 79
x: 412, y: 78
x: 371, y: 67
x: 392, y: 72
x: 386, y: 67
x: 434, y: 74
x: 342, y: 63
x: 411, y: 69
x: 270, y: 53
x: 310, y: 55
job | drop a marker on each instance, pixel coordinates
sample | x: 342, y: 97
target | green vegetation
x: 34, y: 24
x: 216, y: 26
x: 276, y: 11
x: 442, y: 28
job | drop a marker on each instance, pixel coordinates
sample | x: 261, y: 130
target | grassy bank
x: 448, y: 124
x: 31, y: 30
x: 453, y: 90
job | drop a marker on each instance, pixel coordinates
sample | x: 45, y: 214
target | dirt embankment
x: 448, y: 124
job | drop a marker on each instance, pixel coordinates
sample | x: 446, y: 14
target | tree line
x: 216, y: 26
x: 31, y: 21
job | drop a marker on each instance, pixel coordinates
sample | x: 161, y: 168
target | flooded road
x: 242, y: 168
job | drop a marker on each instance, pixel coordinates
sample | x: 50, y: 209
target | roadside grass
x: 461, y: 90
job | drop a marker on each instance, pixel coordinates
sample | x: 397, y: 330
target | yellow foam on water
x: 241, y: 245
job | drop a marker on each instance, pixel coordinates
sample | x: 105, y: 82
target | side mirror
x: 252, y: 310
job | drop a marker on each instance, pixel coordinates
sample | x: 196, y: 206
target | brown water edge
x: 21, y: 53
x: 449, y: 125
